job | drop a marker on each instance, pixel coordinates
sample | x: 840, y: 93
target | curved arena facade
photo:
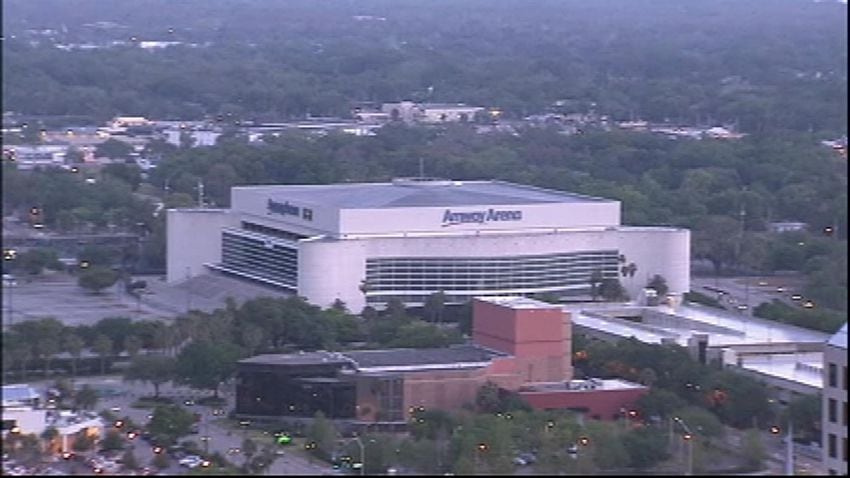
x: 368, y: 243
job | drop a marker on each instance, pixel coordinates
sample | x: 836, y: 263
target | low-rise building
x: 519, y: 344
x: 834, y: 411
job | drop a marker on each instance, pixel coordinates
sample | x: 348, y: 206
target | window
x: 833, y: 410
x: 833, y: 375
x: 833, y: 446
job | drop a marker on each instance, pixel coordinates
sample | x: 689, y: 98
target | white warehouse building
x: 367, y: 243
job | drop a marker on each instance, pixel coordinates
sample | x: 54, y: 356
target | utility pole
x: 421, y: 167
x: 200, y: 194
x: 789, y: 450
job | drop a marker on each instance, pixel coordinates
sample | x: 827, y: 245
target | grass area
x: 703, y: 299
x: 151, y: 402
x: 212, y: 401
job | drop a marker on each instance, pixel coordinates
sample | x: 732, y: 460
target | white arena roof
x: 420, y: 193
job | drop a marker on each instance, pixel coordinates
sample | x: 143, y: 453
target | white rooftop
x: 840, y: 338
x: 518, y: 302
x: 724, y: 329
x: 805, y: 368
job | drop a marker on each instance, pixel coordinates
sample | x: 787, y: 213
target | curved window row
x: 265, y: 258
x: 409, y: 277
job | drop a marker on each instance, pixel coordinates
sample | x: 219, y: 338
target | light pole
x: 688, y: 437
x: 9, y: 255
x: 362, y: 463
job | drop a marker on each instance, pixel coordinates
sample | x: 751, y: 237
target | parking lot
x: 224, y: 434
x: 58, y: 295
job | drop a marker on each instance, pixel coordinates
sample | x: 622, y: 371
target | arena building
x: 409, y: 238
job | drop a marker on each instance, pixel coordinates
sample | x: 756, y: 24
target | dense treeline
x: 765, y: 65
x: 262, y: 325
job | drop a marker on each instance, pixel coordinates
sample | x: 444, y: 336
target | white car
x: 191, y: 461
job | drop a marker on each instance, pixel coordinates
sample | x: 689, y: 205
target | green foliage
x: 659, y: 283
x: 645, y: 446
x: 817, y: 319
x: 659, y: 402
x: 323, y: 434
x: 752, y: 449
x: 129, y: 460
x: 83, y: 443
x: 170, y: 422
x: 34, y: 261
x: 113, y: 148
x: 113, y: 440
x: 612, y: 290
x: 161, y: 461
x: 701, y: 421
x: 733, y: 398
x: 700, y: 298
x: 96, y: 279
x: 153, y: 369
x: 420, y: 334
x: 205, y: 365
x: 86, y: 398
x: 805, y: 413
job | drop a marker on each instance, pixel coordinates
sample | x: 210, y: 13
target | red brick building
x: 520, y: 344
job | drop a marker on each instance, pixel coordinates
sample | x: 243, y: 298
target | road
x: 750, y: 291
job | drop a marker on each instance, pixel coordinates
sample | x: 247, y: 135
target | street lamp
x: 688, y: 437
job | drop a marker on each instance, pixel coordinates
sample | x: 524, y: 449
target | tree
x: 487, y: 399
x: 753, y: 450
x: 659, y: 402
x: 153, y: 369
x: 161, y: 461
x: 323, y: 433
x: 434, y: 306
x: 612, y: 290
x: 249, y: 449
x: 113, y: 148
x: 49, y: 435
x: 595, y: 281
x: 74, y: 156
x: 34, y: 261
x: 129, y: 173
x: 715, y: 240
x: 86, y: 398
x: 74, y: 346
x: 129, y: 460
x: 96, y: 279
x: 103, y: 348
x: 25, y: 448
x: 205, y: 365
x: 113, y: 440
x: 659, y: 283
x: 805, y: 413
x: 47, y: 347
x: 83, y: 443
x: 646, y: 447
x: 170, y: 422
x: 132, y: 344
